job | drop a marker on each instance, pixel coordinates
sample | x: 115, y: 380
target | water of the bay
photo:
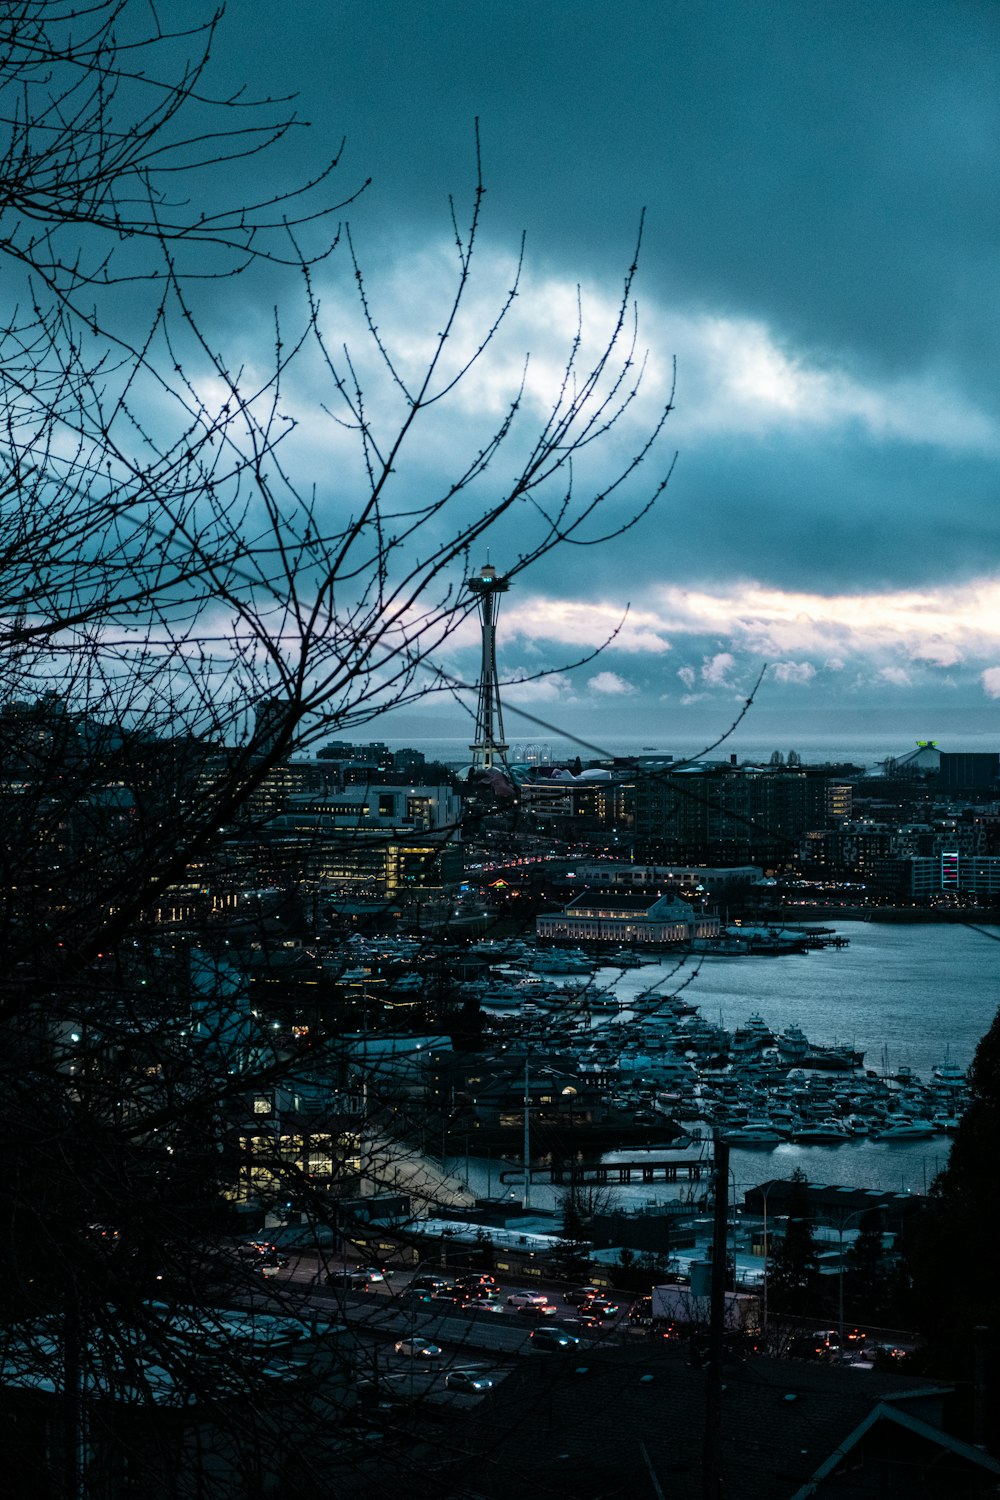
x: 908, y: 995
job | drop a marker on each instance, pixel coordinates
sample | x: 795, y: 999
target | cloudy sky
x: 819, y: 257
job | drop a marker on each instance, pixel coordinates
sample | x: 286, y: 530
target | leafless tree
x: 180, y: 609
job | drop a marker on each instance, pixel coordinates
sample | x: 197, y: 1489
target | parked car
x: 526, y: 1299
x: 469, y: 1381
x: 550, y: 1338
x: 418, y: 1348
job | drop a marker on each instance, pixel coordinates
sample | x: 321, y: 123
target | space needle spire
x: 490, y: 746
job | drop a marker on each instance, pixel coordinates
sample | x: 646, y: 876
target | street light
x: 569, y: 1093
x: 845, y: 1219
x: 764, y: 1190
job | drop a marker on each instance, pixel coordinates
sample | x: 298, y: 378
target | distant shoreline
x: 798, y: 916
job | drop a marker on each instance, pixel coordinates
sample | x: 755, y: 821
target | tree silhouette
x: 181, y: 610
x: 571, y: 1257
x: 953, y: 1260
x: 867, y: 1277
x: 793, y: 1268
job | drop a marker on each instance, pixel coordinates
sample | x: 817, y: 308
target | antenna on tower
x: 490, y: 745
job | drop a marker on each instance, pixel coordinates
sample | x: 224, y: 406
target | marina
x: 888, y: 1025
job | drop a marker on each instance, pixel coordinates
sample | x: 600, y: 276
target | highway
x: 380, y: 1316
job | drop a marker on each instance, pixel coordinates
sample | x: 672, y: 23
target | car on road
x: 586, y: 1322
x: 481, y: 1304
x: 427, y: 1284
x: 452, y: 1294
x: 348, y: 1281
x: 553, y: 1338
x: 808, y: 1346
x: 537, y: 1310
x: 600, y: 1308
x: 413, y: 1294
x: 476, y: 1279
x: 887, y: 1356
x: 254, y: 1248
x: 526, y: 1299
x: 469, y: 1381
x: 577, y: 1294
x: 373, y: 1273
x: 261, y: 1252
x: 418, y: 1348
x: 269, y: 1266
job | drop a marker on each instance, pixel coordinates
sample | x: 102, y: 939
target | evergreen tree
x: 571, y: 1257
x: 954, y: 1261
x: 793, y: 1272
x: 866, y: 1273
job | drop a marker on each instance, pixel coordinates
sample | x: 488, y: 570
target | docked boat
x: 560, y: 961
x: 725, y: 945
x: 833, y: 1058
x: 624, y: 958
x: 793, y: 1045
x: 822, y: 1133
x: 754, y: 1135
x: 499, y: 996
x: 769, y: 942
x: 907, y: 1130
x: 949, y: 1073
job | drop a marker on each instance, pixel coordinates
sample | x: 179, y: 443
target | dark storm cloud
x: 831, y: 165
x: 820, y: 253
x: 812, y: 516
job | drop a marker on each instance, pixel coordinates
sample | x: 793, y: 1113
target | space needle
x: 489, y: 747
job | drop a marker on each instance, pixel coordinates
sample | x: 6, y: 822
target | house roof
x: 948, y: 1455
x: 629, y: 1421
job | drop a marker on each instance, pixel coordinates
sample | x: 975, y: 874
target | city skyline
x: 819, y: 256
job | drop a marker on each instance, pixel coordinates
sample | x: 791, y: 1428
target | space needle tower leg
x: 490, y: 746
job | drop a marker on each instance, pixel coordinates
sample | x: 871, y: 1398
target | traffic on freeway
x: 428, y: 1322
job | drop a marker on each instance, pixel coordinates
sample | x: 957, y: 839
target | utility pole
x: 711, y: 1468
x: 526, y: 1201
